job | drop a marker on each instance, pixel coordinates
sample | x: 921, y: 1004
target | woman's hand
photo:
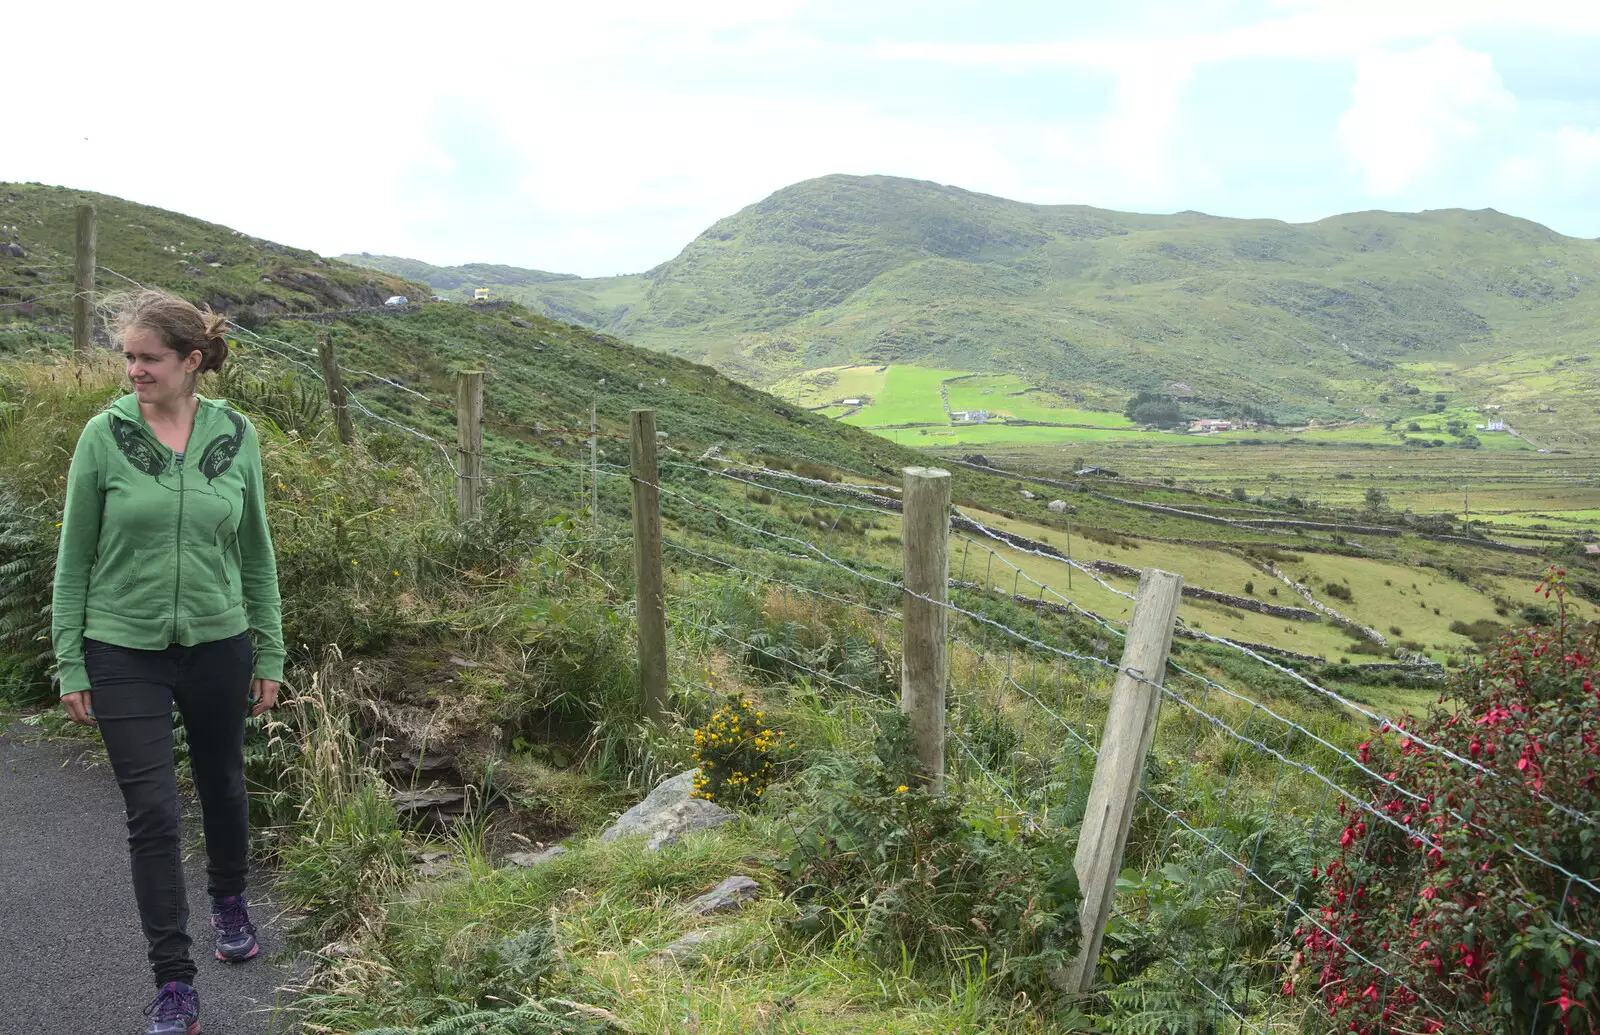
x: 263, y: 695
x: 80, y: 708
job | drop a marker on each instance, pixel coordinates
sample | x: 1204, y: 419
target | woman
x: 166, y: 593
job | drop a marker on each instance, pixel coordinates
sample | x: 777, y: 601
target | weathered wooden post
x: 83, y: 286
x: 594, y: 466
x: 469, y: 445
x: 337, y: 400
x: 649, y: 591
x: 924, y: 669
x: 1130, y: 725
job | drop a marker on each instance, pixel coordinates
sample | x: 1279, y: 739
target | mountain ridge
x: 540, y: 372
x: 1306, y: 320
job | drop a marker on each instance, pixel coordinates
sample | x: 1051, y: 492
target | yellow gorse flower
x: 733, y: 749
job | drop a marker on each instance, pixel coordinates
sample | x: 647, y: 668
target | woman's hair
x: 181, y: 326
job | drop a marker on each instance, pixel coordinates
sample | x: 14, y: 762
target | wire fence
x: 1242, y: 799
x: 1242, y: 803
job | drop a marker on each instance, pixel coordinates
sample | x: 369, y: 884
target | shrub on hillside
x: 1338, y: 591
x: 1458, y: 901
x: 919, y: 877
x: 734, y: 751
x: 1482, y: 632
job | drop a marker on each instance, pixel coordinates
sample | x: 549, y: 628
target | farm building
x: 969, y: 416
x: 1209, y: 424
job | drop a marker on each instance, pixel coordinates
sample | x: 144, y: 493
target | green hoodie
x: 156, y: 551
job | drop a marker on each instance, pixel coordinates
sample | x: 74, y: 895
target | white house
x: 969, y: 416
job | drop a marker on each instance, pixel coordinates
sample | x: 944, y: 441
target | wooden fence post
x: 924, y: 668
x: 1130, y: 725
x: 469, y: 445
x: 649, y: 592
x: 83, y: 286
x: 335, y: 382
x: 594, y: 467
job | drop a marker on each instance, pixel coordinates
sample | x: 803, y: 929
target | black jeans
x: 133, y: 695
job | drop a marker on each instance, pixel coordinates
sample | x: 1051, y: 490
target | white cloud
x: 1578, y: 152
x: 600, y: 137
x: 1550, y: 176
x: 1138, y: 132
x: 1409, y: 109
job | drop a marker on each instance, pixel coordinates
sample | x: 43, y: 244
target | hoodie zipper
x: 177, y: 579
x: 177, y: 582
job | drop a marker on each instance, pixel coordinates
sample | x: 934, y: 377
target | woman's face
x: 158, y: 375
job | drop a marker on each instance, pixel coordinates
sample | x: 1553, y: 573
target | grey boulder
x: 726, y: 897
x: 667, y: 814
x: 528, y: 860
x: 687, y: 947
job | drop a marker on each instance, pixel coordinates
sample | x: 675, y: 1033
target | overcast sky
x: 600, y: 137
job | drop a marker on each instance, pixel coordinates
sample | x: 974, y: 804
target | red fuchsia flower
x: 1564, y: 1001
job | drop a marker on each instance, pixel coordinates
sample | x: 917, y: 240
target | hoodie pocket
x: 207, y: 590
x: 135, y: 586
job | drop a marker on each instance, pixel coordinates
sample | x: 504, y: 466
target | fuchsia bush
x: 1477, y: 935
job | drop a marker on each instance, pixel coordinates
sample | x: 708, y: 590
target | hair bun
x: 216, y: 350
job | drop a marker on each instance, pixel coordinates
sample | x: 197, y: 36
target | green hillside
x: 456, y: 278
x: 540, y: 373
x: 229, y: 270
x: 1315, y: 320
x: 493, y: 662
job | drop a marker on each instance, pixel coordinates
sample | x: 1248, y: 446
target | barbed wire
x: 1385, y: 723
x: 36, y: 298
x: 1043, y: 587
x: 789, y: 475
x: 355, y: 401
x: 542, y: 429
x: 780, y: 658
x: 1003, y: 538
x: 877, y: 511
x: 824, y: 594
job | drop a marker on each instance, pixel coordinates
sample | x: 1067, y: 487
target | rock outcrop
x: 667, y: 814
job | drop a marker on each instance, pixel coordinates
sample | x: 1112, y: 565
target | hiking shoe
x: 176, y: 1011
x: 236, y: 935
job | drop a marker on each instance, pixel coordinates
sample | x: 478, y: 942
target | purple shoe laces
x: 172, y: 1003
x: 228, y: 915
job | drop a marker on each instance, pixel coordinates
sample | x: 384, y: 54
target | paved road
x: 72, y: 959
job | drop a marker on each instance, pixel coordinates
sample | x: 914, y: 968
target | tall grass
x: 342, y: 847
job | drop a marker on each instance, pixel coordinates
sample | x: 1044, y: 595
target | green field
x: 903, y: 403
x: 1366, y: 314
x: 1388, y: 593
x: 987, y: 434
x: 1006, y: 396
x: 910, y: 395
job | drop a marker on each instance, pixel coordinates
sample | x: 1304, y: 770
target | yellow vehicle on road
x: 480, y: 294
